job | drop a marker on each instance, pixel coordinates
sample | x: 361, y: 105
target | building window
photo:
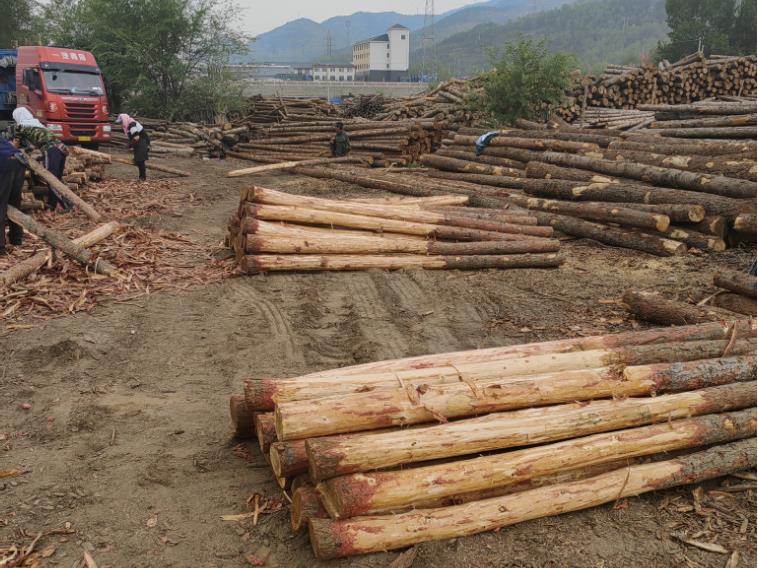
x: 402, y: 36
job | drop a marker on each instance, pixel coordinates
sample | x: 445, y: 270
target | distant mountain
x: 304, y: 40
x: 597, y: 31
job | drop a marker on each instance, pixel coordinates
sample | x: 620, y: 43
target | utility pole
x: 427, y: 39
x: 329, y: 44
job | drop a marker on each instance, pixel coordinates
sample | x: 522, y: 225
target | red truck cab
x: 64, y: 89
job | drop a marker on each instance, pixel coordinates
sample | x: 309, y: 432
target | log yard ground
x: 115, y: 438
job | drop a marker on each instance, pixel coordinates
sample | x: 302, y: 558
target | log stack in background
x: 275, y: 231
x: 567, y: 425
x: 693, y: 78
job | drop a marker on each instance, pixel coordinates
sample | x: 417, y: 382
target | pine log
x: 352, y: 453
x: 737, y: 282
x: 360, y: 535
x: 695, y: 239
x: 306, y: 504
x: 262, y: 393
x: 653, y: 307
x: 272, y: 197
x: 743, y: 169
x: 676, y: 212
x: 62, y: 189
x: 420, y: 404
x: 668, y: 177
x: 265, y: 431
x: 495, y: 181
x: 470, y: 156
x: 726, y: 120
x: 612, y: 236
x: 729, y: 132
x: 664, y: 146
x: 467, y: 166
x: 713, y: 225
x: 61, y: 242
x: 701, y: 109
x: 242, y: 416
x: 735, y: 303
x: 745, y: 223
x: 22, y: 269
x: 540, y: 170
x: 303, y: 263
x: 379, y: 492
x: 741, y: 329
x: 288, y: 459
x: 290, y: 165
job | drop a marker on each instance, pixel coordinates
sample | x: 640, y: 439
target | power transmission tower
x: 329, y: 43
x: 428, y: 58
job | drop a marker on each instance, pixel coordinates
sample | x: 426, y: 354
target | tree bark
x: 288, y: 459
x: 685, y: 147
x: 380, y: 492
x: 674, y: 211
x: 745, y: 223
x: 738, y: 282
x: 56, y: 184
x: 735, y: 303
x: 242, y: 416
x: 265, y: 431
x: 541, y: 170
x: 61, y: 242
x: 701, y: 109
x: 333, y: 539
x: 470, y: 156
x: 353, y: 453
x: 421, y: 404
x: 467, y: 166
x: 728, y: 132
x: 306, y: 504
x: 726, y: 120
x: 742, y: 169
x: 652, y: 307
x: 25, y: 267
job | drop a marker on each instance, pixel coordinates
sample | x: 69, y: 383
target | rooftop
x: 333, y: 65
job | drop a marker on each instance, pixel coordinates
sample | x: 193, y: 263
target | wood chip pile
x: 389, y: 454
x: 276, y: 231
x: 693, y: 78
x: 635, y: 190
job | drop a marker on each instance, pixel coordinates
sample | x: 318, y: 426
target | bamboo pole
x: 429, y: 403
x: 352, y: 453
x: 380, y: 492
x: 332, y: 539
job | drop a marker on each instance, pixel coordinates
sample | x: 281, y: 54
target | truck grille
x: 78, y: 111
x: 83, y: 130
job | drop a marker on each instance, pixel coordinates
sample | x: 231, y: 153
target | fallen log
x: 653, y: 307
x: 351, y: 453
x: 429, y: 403
x: 466, y: 166
x: 290, y: 165
x: 737, y: 282
x: 745, y: 223
x: 61, y: 242
x: 380, y: 492
x: 728, y: 132
x: 272, y: 263
x: 735, y: 303
x: 332, y: 539
x: 25, y: 267
x: 62, y: 189
x: 674, y: 211
x: 664, y: 146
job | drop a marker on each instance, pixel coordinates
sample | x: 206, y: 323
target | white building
x: 333, y: 72
x: 385, y: 57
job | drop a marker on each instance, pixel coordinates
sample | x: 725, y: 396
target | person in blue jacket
x: 12, y: 169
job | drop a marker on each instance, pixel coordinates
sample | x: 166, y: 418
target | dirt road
x: 120, y: 416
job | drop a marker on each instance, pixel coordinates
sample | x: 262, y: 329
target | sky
x: 261, y: 16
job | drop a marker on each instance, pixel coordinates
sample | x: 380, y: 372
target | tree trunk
x: 541, y: 170
x: 25, y: 267
x: 674, y: 211
x: 288, y: 459
x: 685, y: 147
x: 727, y: 120
x: 467, y: 166
x: 61, y: 242
x: 695, y: 239
x: 493, y: 160
x: 265, y: 431
x: 60, y: 187
x: 306, y: 504
x: 380, y: 492
x: 738, y: 282
x: 290, y: 165
x: 745, y: 223
x: 701, y: 109
x: 728, y: 132
x: 333, y: 539
x: 417, y: 405
x: 652, y: 307
x: 242, y: 416
x: 735, y: 303
x: 743, y: 169
x: 260, y: 393
x: 273, y: 263
x: 353, y: 453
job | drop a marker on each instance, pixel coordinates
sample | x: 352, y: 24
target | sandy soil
x: 120, y: 416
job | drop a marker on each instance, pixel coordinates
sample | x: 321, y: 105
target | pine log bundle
x: 261, y: 264
x: 262, y: 394
x: 653, y: 307
x: 735, y: 303
x: 338, y: 538
x: 381, y: 492
x: 403, y: 407
x: 333, y: 456
x: 60, y: 242
x: 737, y: 282
x: 25, y: 267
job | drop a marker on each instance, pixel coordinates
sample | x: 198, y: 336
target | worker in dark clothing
x: 33, y: 134
x: 139, y: 142
x: 340, y: 144
x: 12, y: 169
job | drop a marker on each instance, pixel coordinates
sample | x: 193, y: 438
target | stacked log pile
x: 275, y: 231
x: 693, y: 78
x: 566, y: 425
x: 635, y: 190
x: 735, y: 298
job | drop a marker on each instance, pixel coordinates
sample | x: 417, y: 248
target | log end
x: 242, y: 417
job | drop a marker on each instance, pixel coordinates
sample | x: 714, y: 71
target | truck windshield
x: 73, y: 82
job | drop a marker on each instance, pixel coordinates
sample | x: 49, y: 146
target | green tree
x: 719, y: 26
x: 18, y: 23
x: 156, y: 54
x: 527, y: 81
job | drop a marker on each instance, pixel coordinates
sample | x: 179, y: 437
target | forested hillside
x: 597, y: 31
